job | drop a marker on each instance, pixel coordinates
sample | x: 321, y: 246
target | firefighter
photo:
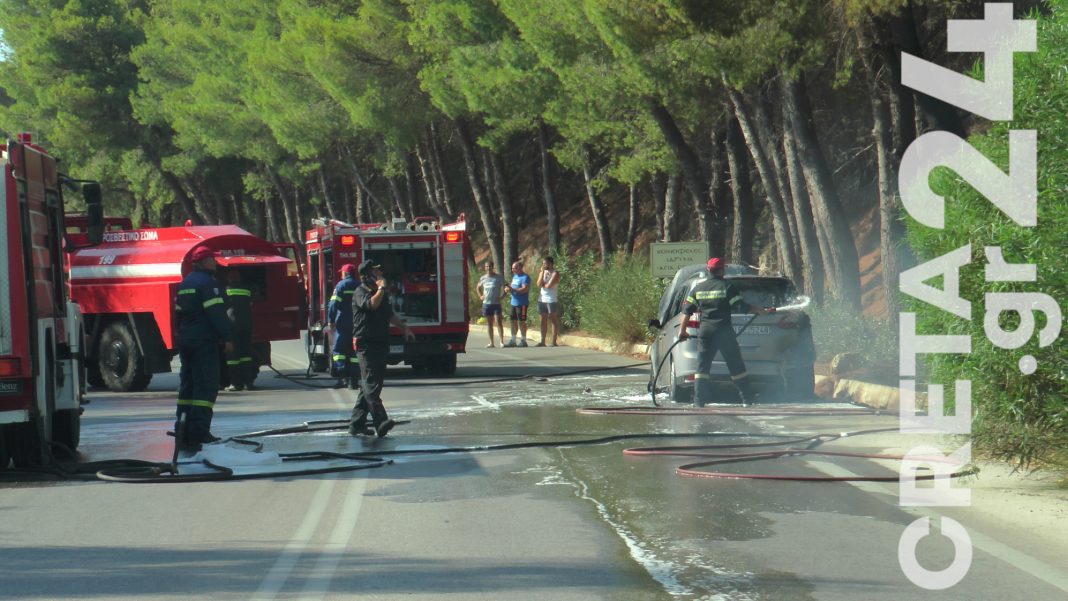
x: 239, y: 364
x: 202, y: 328
x: 339, y: 315
x: 372, y: 315
x: 713, y: 298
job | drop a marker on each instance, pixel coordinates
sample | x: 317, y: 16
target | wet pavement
x: 664, y: 535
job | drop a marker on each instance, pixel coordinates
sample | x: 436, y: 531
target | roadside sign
x: 666, y: 258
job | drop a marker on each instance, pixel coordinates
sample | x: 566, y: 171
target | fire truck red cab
x: 424, y: 263
x: 126, y: 287
x: 40, y: 329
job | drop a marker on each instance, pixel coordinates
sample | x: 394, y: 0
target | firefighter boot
x: 746, y: 392
x: 358, y: 420
x: 382, y: 423
x: 702, y: 390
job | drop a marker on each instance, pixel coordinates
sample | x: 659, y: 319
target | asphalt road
x: 554, y: 522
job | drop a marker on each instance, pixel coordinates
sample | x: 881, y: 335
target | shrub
x: 576, y: 273
x: 617, y: 302
x: 836, y: 329
x: 1019, y: 417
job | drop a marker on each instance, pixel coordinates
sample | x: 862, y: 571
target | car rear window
x: 765, y: 292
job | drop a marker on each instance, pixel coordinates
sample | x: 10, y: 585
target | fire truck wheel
x: 445, y: 364
x: 122, y: 367
x: 5, y: 458
x: 67, y: 428
x: 24, y: 445
x: 93, y: 375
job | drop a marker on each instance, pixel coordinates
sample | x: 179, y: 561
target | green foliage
x: 616, y: 303
x: 837, y: 329
x: 1024, y: 418
x: 576, y: 274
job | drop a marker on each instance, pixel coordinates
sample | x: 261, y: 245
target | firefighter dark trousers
x: 197, y: 389
x: 346, y: 363
x: 713, y: 337
x: 239, y: 364
x: 372, y: 358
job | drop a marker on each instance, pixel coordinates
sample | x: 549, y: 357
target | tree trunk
x: 488, y: 221
x: 551, y: 216
x: 184, y: 200
x: 328, y: 200
x: 809, y: 242
x: 361, y: 184
x: 399, y: 203
x: 438, y: 168
x: 604, y: 235
x: 411, y: 194
x: 694, y: 177
x: 671, y: 204
x: 632, y: 221
x: 658, y: 198
x: 427, y: 174
x: 508, y: 217
x: 771, y: 187
x: 744, y: 215
x: 288, y: 208
x: 845, y: 282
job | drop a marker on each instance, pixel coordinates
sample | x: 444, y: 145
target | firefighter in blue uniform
x: 714, y: 299
x: 339, y: 314
x: 239, y: 364
x: 202, y: 328
x: 372, y: 315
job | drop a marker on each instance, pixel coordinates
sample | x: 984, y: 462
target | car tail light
x: 690, y: 378
x: 786, y: 324
x: 693, y: 323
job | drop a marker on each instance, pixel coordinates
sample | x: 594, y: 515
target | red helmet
x: 202, y: 252
x: 348, y: 268
x: 714, y: 263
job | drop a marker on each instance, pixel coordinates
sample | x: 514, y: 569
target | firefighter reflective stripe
x: 735, y: 300
x: 338, y: 299
x: 188, y: 403
x: 212, y: 301
x: 339, y: 357
x: 238, y: 292
x: 710, y: 294
x: 187, y: 291
x: 335, y: 298
x: 354, y: 359
x: 739, y: 376
x: 702, y: 377
x: 239, y: 361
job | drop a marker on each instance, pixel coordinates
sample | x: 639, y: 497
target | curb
x: 583, y: 342
x: 876, y: 396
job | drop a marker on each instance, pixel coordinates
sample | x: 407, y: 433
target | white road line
x: 323, y: 573
x: 1016, y: 558
x: 283, y: 566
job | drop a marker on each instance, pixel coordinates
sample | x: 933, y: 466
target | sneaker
x: 359, y: 429
x: 522, y: 344
x: 490, y: 345
x: 540, y: 344
x: 384, y: 428
x: 509, y: 344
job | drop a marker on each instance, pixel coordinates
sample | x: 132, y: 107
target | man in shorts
x: 549, y: 301
x: 520, y: 289
x: 490, y: 289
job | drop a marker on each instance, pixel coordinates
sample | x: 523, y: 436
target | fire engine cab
x: 126, y: 288
x: 40, y: 329
x: 422, y: 260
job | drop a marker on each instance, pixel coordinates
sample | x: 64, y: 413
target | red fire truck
x: 40, y: 329
x: 127, y: 284
x: 423, y: 261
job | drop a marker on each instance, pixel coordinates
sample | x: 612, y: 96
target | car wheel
x: 800, y: 382
x: 676, y: 393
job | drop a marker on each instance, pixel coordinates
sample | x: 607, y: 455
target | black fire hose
x: 656, y: 374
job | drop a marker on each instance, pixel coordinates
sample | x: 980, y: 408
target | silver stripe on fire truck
x: 453, y: 280
x: 16, y: 416
x: 5, y: 280
x: 126, y: 271
x: 396, y: 245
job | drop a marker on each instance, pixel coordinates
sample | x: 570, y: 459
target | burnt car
x: 778, y: 349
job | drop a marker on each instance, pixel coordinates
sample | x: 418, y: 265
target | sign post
x: 665, y: 258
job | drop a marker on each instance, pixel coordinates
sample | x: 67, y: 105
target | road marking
x: 999, y: 550
x: 320, y: 576
x: 283, y: 566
